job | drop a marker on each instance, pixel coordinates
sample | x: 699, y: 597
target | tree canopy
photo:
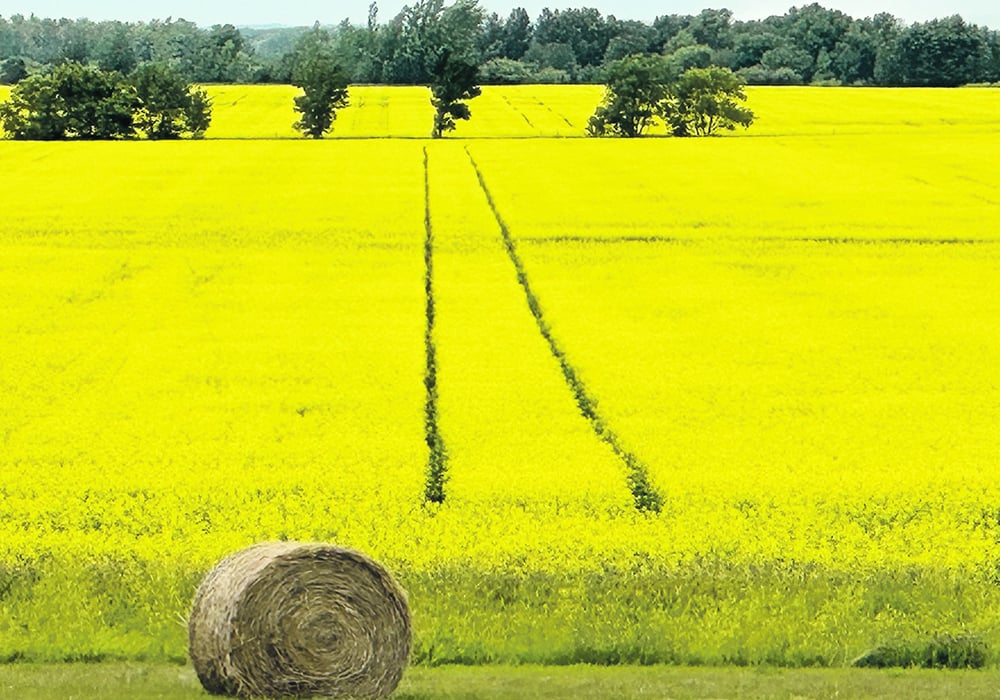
x: 73, y: 101
x: 84, y: 102
x: 807, y: 44
x: 323, y: 82
x: 454, y: 82
x: 166, y: 105
x: 452, y: 60
x: 692, y: 101
x: 703, y: 100
x: 636, y: 89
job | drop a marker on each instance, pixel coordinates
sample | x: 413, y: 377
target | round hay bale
x: 285, y: 619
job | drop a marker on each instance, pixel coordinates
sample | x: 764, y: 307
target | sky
x: 305, y: 12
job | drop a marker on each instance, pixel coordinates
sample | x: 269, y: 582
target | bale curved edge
x: 286, y: 619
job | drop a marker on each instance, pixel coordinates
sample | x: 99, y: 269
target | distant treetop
x: 807, y: 44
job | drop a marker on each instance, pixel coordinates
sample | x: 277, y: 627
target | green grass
x: 165, y: 682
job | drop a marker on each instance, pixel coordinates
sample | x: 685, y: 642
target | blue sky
x: 298, y: 12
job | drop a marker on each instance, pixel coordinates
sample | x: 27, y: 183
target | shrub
x: 962, y: 650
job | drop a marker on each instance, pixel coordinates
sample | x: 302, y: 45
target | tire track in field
x: 558, y: 114
x: 518, y: 111
x: 437, y: 458
x: 646, y: 497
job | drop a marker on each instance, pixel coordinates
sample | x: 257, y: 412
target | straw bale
x: 285, y: 619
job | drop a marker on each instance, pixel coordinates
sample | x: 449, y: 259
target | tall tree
x: 491, y: 38
x: 712, y: 28
x: 853, y: 59
x: 631, y: 38
x: 940, y: 53
x: 114, y: 50
x: 704, y: 100
x: 410, y: 43
x: 454, y: 63
x: 635, y: 87
x: 323, y: 83
x: 517, y: 32
x: 167, y: 105
x: 585, y: 30
x: 455, y: 82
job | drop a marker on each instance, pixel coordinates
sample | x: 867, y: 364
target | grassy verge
x: 694, y: 614
x: 166, y: 682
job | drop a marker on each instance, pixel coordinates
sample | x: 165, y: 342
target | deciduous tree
x: 323, y: 83
x: 455, y: 82
x: 940, y: 53
x: 452, y: 60
x: 517, y: 32
x: 167, y: 105
x: 73, y: 101
x: 635, y: 87
x: 12, y: 71
x: 704, y: 100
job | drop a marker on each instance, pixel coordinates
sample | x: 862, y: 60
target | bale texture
x: 284, y: 619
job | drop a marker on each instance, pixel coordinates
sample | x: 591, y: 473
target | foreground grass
x: 166, y: 682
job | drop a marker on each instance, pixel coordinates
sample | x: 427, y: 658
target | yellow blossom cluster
x: 796, y: 333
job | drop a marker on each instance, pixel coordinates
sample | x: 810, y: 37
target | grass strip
x: 133, y: 681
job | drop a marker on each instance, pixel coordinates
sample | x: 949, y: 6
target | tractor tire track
x: 437, y: 458
x: 644, y: 494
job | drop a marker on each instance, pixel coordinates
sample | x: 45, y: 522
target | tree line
x: 74, y: 101
x: 806, y: 45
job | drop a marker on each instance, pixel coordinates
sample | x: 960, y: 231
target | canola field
x: 791, y: 335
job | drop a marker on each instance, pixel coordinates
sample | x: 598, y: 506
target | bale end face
x: 286, y: 619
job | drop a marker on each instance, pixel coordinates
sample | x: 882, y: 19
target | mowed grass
x: 213, y: 343
x: 167, y: 682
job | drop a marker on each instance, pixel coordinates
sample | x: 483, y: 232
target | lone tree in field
x: 635, y: 88
x: 167, y: 105
x: 323, y: 84
x: 704, y: 100
x: 454, y: 83
x: 442, y: 49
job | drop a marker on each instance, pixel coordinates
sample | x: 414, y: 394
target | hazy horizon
x: 306, y: 12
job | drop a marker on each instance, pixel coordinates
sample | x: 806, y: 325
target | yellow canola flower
x: 378, y: 111
x: 510, y: 424
x: 210, y: 344
x: 815, y: 369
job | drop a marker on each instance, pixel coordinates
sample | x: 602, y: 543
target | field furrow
x: 749, y: 367
x: 643, y: 493
x: 531, y: 111
x: 508, y: 420
x: 437, y: 453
